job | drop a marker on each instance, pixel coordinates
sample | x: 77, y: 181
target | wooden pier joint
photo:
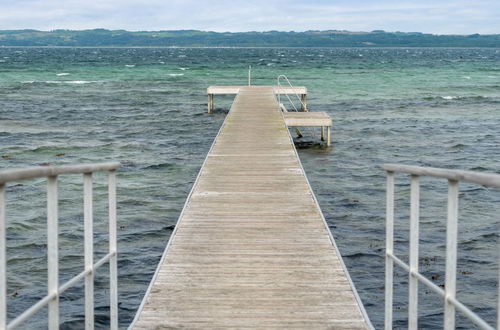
x: 210, y: 102
x: 303, y: 101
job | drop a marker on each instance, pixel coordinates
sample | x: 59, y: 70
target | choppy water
x: 147, y: 109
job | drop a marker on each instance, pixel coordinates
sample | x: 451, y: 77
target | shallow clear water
x: 147, y: 109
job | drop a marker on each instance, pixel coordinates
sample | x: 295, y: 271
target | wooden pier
x: 251, y: 248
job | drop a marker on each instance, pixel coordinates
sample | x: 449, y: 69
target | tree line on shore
x: 195, y: 38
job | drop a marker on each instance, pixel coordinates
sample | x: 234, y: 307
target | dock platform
x: 311, y: 119
x: 251, y: 248
x: 229, y: 90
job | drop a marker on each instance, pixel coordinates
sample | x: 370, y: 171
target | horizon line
x: 252, y: 31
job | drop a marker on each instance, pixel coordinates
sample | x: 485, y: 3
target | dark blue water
x: 147, y: 109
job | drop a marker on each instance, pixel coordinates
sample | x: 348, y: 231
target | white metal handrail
x: 280, y: 89
x: 54, y: 289
x: 449, y: 293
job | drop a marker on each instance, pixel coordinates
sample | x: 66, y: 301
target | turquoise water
x: 147, y: 109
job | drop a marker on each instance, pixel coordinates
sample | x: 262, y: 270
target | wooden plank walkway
x: 251, y: 248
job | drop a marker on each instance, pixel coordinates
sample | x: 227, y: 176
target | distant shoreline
x: 249, y: 47
x: 102, y: 38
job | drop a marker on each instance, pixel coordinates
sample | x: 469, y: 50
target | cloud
x: 445, y: 16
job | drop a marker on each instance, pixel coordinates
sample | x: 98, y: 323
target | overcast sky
x: 432, y: 16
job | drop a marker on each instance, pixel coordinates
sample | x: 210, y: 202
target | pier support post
x: 210, y: 102
x: 328, y: 136
x: 322, y: 133
x: 303, y: 99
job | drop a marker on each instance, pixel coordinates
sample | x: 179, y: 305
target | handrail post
x: 3, y: 260
x: 451, y: 304
x: 52, y: 251
x: 303, y: 105
x: 389, y: 248
x: 54, y: 290
x: 88, y: 250
x: 414, y: 234
x: 451, y: 255
x: 113, y: 267
x: 249, y: 75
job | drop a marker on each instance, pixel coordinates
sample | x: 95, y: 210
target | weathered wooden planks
x: 307, y: 119
x: 251, y: 249
x: 311, y: 119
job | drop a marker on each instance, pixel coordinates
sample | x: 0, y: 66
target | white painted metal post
x: 88, y: 250
x: 249, y: 75
x: 53, y: 288
x: 3, y: 260
x: 113, y: 267
x: 52, y: 251
x: 451, y: 255
x: 414, y: 234
x: 389, y: 248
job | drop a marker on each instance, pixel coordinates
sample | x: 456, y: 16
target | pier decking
x: 251, y: 248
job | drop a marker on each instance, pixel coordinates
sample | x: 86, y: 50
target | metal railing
x: 449, y: 293
x: 54, y: 288
x: 280, y: 89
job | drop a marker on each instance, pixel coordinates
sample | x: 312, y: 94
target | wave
x: 74, y: 82
x: 479, y: 168
x: 80, y: 82
x: 175, y: 74
x: 456, y: 97
x: 160, y: 166
x: 63, y: 74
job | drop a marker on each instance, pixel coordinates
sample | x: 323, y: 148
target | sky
x: 428, y: 16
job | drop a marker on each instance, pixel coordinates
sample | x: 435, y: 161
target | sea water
x: 146, y: 108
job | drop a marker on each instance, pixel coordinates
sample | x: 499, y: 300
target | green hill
x: 194, y: 38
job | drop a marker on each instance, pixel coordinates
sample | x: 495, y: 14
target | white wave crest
x: 79, y: 82
x: 74, y: 82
